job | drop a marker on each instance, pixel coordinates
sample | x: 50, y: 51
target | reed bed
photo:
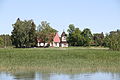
x: 59, y: 60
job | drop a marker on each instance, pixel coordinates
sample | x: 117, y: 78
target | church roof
x: 56, y: 38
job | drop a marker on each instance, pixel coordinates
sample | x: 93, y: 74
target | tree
x: 16, y: 33
x: 45, y: 32
x: 98, y: 39
x: 71, y: 29
x: 75, y: 38
x: 106, y: 42
x: 70, y: 38
x: 32, y: 35
x: 24, y: 33
x: 86, y: 33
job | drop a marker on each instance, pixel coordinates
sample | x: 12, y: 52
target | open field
x: 59, y: 60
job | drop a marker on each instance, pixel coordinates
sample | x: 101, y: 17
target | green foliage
x: 115, y: 40
x: 45, y: 32
x: 70, y: 36
x: 71, y: 29
x: 24, y: 33
x: 85, y: 38
x: 6, y: 40
x: 107, y: 41
x: 86, y: 33
x: 78, y: 38
x: 98, y: 39
x: 112, y: 40
x: 75, y: 38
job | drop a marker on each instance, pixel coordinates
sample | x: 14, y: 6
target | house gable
x: 56, y: 38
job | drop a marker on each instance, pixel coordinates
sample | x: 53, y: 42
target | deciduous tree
x: 98, y: 39
x: 75, y: 38
x: 86, y: 33
x: 45, y: 32
x: 24, y: 33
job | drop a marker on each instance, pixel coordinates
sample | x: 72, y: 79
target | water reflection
x: 59, y: 76
x: 23, y: 75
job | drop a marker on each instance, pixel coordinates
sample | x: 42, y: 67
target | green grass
x: 59, y: 60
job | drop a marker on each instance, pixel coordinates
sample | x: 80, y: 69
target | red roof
x: 56, y: 38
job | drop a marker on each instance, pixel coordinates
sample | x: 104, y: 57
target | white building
x: 63, y: 42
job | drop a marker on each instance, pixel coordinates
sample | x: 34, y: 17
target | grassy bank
x: 59, y: 59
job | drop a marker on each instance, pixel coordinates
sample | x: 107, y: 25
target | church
x: 57, y: 41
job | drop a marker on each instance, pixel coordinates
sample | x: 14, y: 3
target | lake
x: 59, y: 76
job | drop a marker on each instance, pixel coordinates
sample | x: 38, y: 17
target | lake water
x: 59, y: 76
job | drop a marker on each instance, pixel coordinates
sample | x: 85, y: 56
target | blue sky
x: 98, y: 15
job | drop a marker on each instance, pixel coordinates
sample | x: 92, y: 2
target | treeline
x: 25, y: 34
x: 76, y: 37
x: 5, y: 41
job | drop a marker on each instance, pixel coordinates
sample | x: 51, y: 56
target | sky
x: 97, y: 15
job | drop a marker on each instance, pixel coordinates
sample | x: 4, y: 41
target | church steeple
x: 63, y: 37
x: 64, y: 40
